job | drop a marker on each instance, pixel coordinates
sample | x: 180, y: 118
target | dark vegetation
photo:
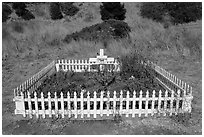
x: 179, y: 12
x: 68, y: 8
x: 110, y: 29
x: 6, y: 11
x: 55, y: 11
x: 112, y: 10
x: 21, y: 11
x: 134, y: 76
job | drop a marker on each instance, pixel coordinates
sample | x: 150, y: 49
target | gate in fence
x: 176, y: 99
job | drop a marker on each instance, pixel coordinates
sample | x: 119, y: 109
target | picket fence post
x: 127, y: 103
x: 82, y: 104
x: 121, y: 101
x: 140, y: 103
x: 133, y: 104
x: 146, y: 103
x: 69, y: 104
x: 153, y: 100
x: 95, y: 98
x: 49, y: 104
x: 56, y: 105
x: 88, y: 104
x: 75, y: 104
x: 101, y: 104
x: 62, y: 104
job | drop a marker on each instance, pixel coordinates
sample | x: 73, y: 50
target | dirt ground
x: 15, y: 71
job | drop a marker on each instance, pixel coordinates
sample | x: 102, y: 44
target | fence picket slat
x: 69, y: 104
x: 140, y: 103
x: 165, y: 102
x: 177, y: 102
x: 29, y: 105
x: 101, y: 104
x: 43, y: 105
x: 88, y: 104
x: 36, y: 105
x: 62, y: 104
x: 75, y: 105
x: 49, y: 104
x: 95, y: 98
x: 153, y: 102
x: 133, y: 103
x: 121, y: 101
x: 171, y: 103
x: 108, y: 102
x: 114, y: 103
x: 146, y: 103
x: 56, y: 105
x: 127, y: 103
x: 82, y: 104
x: 159, y: 102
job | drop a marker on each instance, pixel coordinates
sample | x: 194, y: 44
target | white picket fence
x: 34, y: 82
x: 86, y: 65
x: 97, y: 105
x: 171, y: 81
x: 99, y: 63
x: 177, y: 97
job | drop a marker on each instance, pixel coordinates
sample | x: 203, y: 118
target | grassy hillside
x: 28, y: 46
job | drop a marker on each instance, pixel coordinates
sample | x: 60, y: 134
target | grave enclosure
x: 176, y: 99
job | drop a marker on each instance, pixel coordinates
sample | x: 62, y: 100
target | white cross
x: 102, y: 56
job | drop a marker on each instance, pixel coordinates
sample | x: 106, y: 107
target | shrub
x: 55, y: 11
x: 28, y: 15
x: 112, y: 10
x: 184, y: 12
x: 110, y: 29
x: 6, y: 11
x: 21, y: 11
x: 143, y: 75
x: 68, y: 8
x: 180, y: 12
x: 19, y: 5
x: 153, y: 10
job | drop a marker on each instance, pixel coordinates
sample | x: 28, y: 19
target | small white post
x: 171, y: 103
x: 21, y: 104
x: 177, y: 102
x: 62, y: 104
x: 82, y: 104
x: 95, y: 99
x: 57, y: 66
x: 159, y: 102
x: 29, y: 105
x: 56, y: 105
x: 127, y: 103
x: 146, y: 103
x: 165, y: 102
x: 153, y: 100
x: 101, y: 104
x: 75, y: 104
x: 133, y: 104
x: 68, y: 104
x: 42, y: 104
x: 121, y: 101
x: 114, y: 103
x: 140, y: 103
x: 49, y: 104
x: 36, y: 105
x: 88, y: 104
x: 108, y: 103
